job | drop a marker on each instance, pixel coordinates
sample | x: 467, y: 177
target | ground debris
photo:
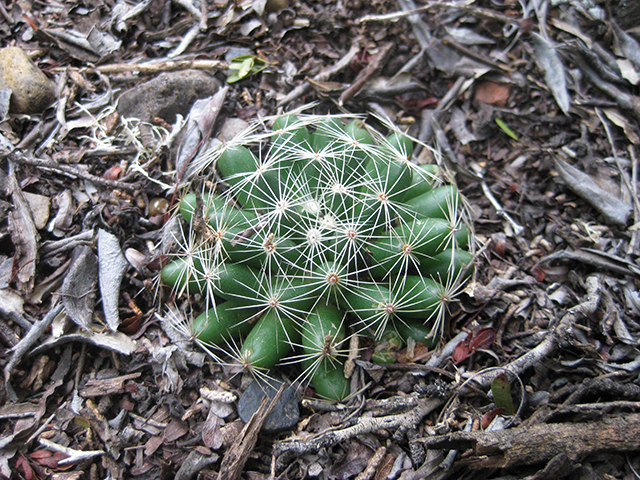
x: 532, y: 111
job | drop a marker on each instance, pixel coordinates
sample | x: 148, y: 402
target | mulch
x: 551, y: 314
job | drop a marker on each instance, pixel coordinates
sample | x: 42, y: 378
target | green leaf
x: 244, y: 66
x: 505, y: 128
x: 501, y: 389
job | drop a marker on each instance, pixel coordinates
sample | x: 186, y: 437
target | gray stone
x: 167, y: 95
x: 31, y: 90
x: 285, y: 413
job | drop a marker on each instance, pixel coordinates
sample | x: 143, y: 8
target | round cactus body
x: 321, y: 227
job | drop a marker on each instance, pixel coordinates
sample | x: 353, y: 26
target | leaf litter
x: 555, y: 217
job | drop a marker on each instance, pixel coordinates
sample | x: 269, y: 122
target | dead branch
x: 73, y: 455
x: 557, y: 337
x: 541, y: 443
x: 27, y: 341
x: 68, y: 170
x: 364, y: 425
x: 322, y: 76
x: 365, y: 74
x: 159, y: 67
x: 373, y: 464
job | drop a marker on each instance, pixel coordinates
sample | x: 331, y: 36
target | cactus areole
x: 314, y: 230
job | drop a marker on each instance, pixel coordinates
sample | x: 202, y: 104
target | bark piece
x: 238, y: 453
x: 106, y: 386
x: 539, y: 444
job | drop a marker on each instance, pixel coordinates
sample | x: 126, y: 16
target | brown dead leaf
x: 493, y: 93
x: 152, y: 444
x: 211, y: 435
x: 24, y: 236
x: 47, y: 458
x: 175, y: 430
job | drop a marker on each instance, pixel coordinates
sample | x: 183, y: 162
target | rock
x: 167, y: 95
x: 285, y: 413
x: 31, y: 90
x: 231, y: 128
x: 40, y: 207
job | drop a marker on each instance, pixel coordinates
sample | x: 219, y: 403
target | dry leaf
x: 113, y: 266
x: 550, y: 63
x: 493, y: 93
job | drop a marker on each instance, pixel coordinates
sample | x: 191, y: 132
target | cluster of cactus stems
x: 314, y: 230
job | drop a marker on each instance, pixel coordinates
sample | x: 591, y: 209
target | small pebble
x: 158, y: 206
x: 285, y: 413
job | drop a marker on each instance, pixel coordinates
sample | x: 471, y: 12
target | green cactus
x: 320, y: 226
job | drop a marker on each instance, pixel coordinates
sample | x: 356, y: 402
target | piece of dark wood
x: 238, y: 453
x: 538, y: 444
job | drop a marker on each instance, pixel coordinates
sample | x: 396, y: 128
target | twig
x: 556, y: 338
x: 452, y: 454
x: 238, y: 453
x: 480, y: 12
x: 365, y: 425
x: 431, y: 117
x: 161, y: 66
x: 365, y: 74
x: 73, y: 455
x: 73, y: 171
x: 473, y: 55
x: 501, y: 211
x: 636, y: 214
x: 27, y: 341
x: 538, y: 444
x: 373, y: 464
x: 322, y: 76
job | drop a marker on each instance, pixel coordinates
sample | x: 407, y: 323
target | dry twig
x: 555, y: 339
x: 539, y: 444
x: 50, y: 165
x: 322, y: 76
x: 408, y: 419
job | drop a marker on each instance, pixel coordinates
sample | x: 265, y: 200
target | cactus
x: 319, y: 227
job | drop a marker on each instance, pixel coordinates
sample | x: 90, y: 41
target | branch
x: 557, y: 337
x: 322, y: 76
x: 542, y: 443
x: 72, y: 171
x: 365, y: 425
x: 73, y: 456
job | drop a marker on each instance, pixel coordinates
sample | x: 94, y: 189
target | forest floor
x: 531, y: 108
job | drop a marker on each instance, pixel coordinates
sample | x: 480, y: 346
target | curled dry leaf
x: 482, y: 338
x: 79, y: 286
x: 24, y: 237
x: 615, y: 210
x: 549, y: 61
x: 112, y: 266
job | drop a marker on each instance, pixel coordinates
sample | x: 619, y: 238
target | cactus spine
x: 318, y: 225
